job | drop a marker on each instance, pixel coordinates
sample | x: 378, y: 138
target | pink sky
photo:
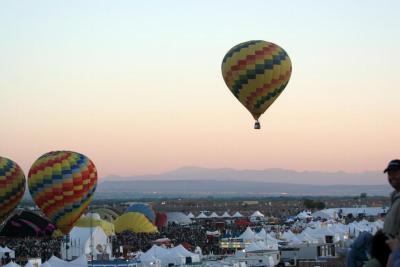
x: 142, y: 96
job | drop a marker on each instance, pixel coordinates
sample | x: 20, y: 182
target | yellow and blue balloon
x: 12, y: 186
x: 62, y: 184
x: 256, y: 72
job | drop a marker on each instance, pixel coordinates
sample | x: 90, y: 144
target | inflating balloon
x: 134, y: 222
x: 62, y: 184
x: 256, y: 72
x: 12, y: 186
x: 143, y: 208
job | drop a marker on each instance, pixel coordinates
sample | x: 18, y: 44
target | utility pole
x: 91, y: 236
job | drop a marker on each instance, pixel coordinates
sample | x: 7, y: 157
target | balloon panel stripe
x: 260, y: 69
x: 259, y: 92
x: 270, y: 95
x: 252, y: 58
x: 238, y: 48
x: 12, y: 186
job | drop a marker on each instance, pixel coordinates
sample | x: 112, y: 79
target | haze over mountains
x: 194, y: 181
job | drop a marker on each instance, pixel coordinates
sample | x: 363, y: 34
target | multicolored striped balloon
x: 12, y: 186
x: 62, y: 184
x: 256, y: 72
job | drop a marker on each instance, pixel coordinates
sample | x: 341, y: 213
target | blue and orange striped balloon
x: 256, y: 72
x: 12, y: 186
x: 62, y: 184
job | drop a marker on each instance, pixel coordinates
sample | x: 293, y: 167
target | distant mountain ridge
x: 205, y: 188
x: 268, y: 175
x: 200, y: 182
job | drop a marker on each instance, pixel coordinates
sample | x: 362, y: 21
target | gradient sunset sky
x: 137, y: 85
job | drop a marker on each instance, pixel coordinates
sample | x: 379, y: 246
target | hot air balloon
x: 256, y: 72
x: 143, y: 208
x: 12, y: 186
x: 134, y: 222
x: 62, y: 184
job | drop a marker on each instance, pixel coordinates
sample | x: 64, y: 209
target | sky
x: 137, y: 87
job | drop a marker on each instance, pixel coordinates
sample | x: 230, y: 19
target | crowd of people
x: 194, y: 235
x: 379, y: 250
x: 33, y: 247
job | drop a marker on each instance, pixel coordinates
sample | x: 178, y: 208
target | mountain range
x: 195, y: 181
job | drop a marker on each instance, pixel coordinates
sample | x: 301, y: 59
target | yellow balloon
x: 134, y: 222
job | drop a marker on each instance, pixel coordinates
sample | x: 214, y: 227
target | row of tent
x: 175, y: 256
x: 82, y: 239
x: 314, y: 233
x: 202, y: 215
x: 336, y: 213
x: 55, y: 262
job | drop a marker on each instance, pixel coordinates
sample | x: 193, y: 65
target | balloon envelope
x: 62, y: 184
x: 143, y: 208
x: 256, y: 72
x: 134, y: 222
x: 12, y: 186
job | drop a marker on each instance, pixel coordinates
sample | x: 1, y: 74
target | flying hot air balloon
x: 256, y: 72
x: 12, y: 186
x: 62, y: 184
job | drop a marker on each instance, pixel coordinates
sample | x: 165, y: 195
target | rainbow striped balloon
x: 62, y: 184
x: 12, y: 186
x: 256, y: 72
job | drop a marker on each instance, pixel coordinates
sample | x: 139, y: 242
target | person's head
x: 393, y: 172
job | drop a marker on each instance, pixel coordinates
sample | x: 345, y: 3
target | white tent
x: 201, y: 216
x: 288, y: 235
x: 257, y: 217
x: 46, y: 264
x: 304, y: 215
x: 5, y: 250
x: 237, y: 215
x: 325, y: 214
x: 261, y: 235
x: 257, y: 214
x: 81, y: 240
x: 186, y: 253
x: 226, y: 215
x: 271, y: 242
x: 295, y: 241
x: 12, y: 264
x: 57, y: 262
x: 304, y: 237
x: 214, y: 215
x: 78, y: 262
x: 28, y: 264
x: 165, y: 256
x: 248, y: 235
x: 178, y: 218
x: 253, y: 247
x: 148, y: 259
x: 190, y: 215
